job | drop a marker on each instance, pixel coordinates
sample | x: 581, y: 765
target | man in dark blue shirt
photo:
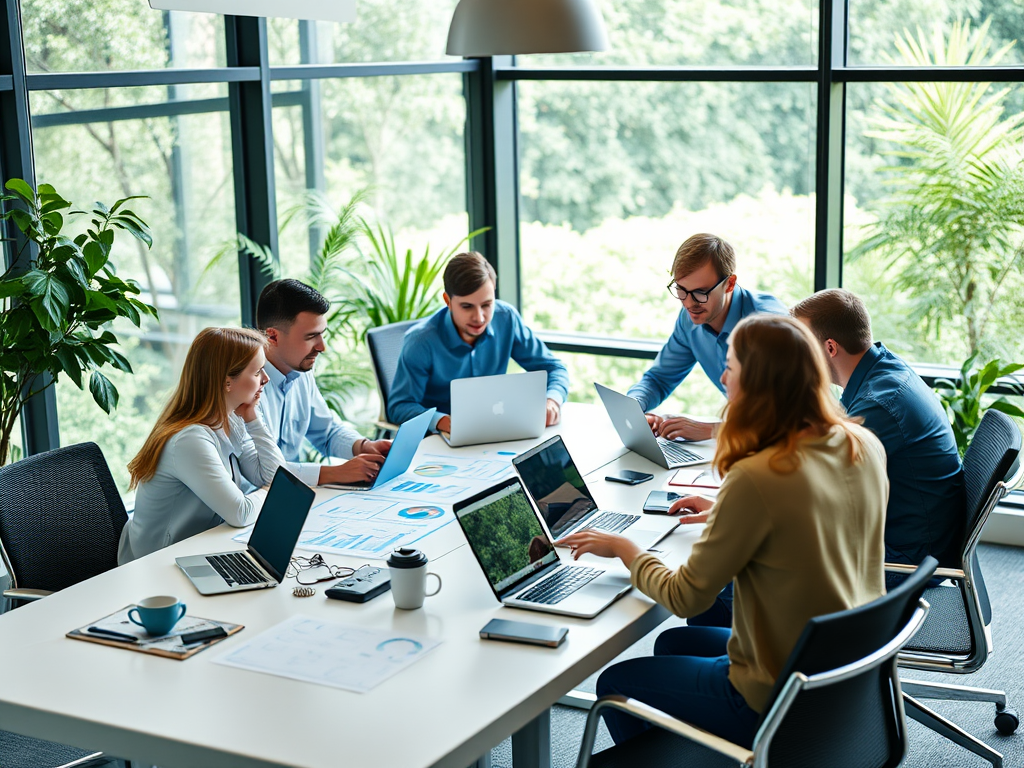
x: 926, y: 487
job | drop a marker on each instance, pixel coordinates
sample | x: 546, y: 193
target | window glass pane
x: 384, y: 30
x: 615, y: 176
x: 401, y: 141
x: 183, y: 164
x: 704, y: 33
x: 878, y: 26
x: 91, y: 36
x: 933, y: 239
x: 696, y: 396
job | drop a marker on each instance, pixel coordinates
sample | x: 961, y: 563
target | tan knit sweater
x: 796, y: 545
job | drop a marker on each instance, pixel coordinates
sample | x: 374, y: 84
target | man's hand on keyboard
x: 675, y: 427
x: 691, y: 509
x: 601, y: 544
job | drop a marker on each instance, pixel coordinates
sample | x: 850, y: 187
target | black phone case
x: 356, y: 589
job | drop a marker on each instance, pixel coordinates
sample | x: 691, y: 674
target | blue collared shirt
x: 926, y: 486
x: 691, y: 344
x: 293, y: 411
x: 433, y: 354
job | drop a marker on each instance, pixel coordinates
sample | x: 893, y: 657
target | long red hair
x: 784, y: 390
x: 216, y: 354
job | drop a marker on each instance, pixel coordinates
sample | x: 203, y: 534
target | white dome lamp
x: 508, y: 27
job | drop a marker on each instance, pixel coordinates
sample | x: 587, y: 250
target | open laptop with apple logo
x: 495, y: 409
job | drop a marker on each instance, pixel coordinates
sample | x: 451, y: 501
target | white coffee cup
x: 408, y: 569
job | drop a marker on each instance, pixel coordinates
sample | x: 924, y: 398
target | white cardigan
x: 198, y: 484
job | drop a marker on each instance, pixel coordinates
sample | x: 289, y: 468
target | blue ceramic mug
x: 157, y: 615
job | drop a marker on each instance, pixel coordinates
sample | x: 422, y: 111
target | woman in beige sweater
x: 797, y: 528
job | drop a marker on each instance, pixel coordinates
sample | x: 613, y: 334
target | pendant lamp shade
x: 508, y: 27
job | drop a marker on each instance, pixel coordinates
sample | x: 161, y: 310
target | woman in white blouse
x: 190, y: 469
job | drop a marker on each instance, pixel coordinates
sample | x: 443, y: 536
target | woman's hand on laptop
x: 359, y: 469
x: 691, y: 509
x: 602, y: 544
x: 675, y: 427
x: 554, y: 413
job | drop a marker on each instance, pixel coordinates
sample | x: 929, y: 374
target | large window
x: 182, y: 164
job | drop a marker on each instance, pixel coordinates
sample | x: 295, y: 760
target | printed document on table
x: 328, y: 653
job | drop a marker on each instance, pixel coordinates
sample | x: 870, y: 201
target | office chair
x: 60, y: 521
x: 957, y: 637
x: 385, y: 344
x: 837, y: 695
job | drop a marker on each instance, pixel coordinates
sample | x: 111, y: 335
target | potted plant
x: 54, y: 306
x: 964, y: 399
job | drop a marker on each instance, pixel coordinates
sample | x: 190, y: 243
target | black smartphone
x: 658, y: 502
x: 524, y: 632
x: 629, y: 477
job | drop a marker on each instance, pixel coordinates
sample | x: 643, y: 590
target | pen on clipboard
x: 112, y: 634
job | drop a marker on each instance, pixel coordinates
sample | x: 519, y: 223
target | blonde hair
x: 783, y: 390
x: 216, y: 354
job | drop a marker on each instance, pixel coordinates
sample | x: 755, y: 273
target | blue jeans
x: 719, y: 614
x: 688, y: 678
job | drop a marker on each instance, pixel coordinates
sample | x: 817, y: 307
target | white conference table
x: 446, y: 710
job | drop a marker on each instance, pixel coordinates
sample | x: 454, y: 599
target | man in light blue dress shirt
x: 294, y: 318
x: 474, y: 334
x: 704, y: 280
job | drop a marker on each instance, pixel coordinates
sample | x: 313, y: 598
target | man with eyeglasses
x: 704, y: 280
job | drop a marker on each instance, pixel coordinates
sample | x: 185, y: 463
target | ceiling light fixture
x: 503, y: 27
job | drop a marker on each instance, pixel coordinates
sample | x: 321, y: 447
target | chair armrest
x: 385, y: 425
x: 942, y: 573
x: 26, y: 594
x: 662, y: 720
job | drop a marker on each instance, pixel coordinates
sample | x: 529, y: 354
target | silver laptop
x: 400, y: 456
x: 494, y: 409
x: 270, y: 546
x: 520, y: 562
x: 631, y: 423
x: 566, y: 505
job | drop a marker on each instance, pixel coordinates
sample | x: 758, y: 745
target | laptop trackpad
x: 199, y: 571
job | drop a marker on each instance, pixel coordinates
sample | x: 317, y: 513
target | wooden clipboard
x: 169, y: 646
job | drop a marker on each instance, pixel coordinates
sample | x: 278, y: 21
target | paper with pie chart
x: 370, y: 524
x: 328, y: 653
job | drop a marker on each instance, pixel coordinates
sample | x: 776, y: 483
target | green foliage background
x: 614, y: 175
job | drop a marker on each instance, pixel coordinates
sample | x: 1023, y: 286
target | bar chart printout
x: 370, y: 526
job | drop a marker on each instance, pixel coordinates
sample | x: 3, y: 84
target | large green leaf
x: 103, y: 392
x: 22, y: 190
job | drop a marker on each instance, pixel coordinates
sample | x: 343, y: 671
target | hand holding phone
x: 629, y: 477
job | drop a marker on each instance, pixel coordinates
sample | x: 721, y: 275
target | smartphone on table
x: 629, y: 477
x: 659, y: 502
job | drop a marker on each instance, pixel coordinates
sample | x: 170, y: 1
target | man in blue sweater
x: 926, y: 486
x: 704, y: 281
x: 474, y: 334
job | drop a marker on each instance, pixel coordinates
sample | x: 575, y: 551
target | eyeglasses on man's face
x: 700, y: 295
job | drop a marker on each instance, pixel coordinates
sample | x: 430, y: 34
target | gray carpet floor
x: 1003, y: 568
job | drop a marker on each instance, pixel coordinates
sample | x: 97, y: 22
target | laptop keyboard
x: 613, y: 521
x: 675, y: 452
x: 236, y: 568
x: 563, y: 583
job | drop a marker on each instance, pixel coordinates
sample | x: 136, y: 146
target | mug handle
x: 431, y: 594
x: 181, y: 613
x: 133, y: 619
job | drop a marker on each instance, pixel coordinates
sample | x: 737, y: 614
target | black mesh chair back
x: 385, y: 344
x: 990, y: 457
x: 854, y: 718
x: 60, y: 517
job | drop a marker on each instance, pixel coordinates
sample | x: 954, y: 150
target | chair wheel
x: 1007, y: 721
